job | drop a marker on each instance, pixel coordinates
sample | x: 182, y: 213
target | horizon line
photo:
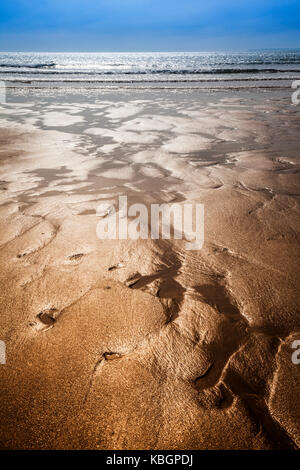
x: 154, y: 51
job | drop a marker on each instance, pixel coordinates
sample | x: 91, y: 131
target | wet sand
x: 123, y: 344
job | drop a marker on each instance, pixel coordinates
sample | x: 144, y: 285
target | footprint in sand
x: 44, y: 320
x: 133, y: 279
x: 111, y: 356
x: 76, y: 257
x: 116, y: 266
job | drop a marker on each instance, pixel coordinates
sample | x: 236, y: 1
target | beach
x: 143, y: 344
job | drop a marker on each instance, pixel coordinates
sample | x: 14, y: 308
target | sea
x: 212, y: 70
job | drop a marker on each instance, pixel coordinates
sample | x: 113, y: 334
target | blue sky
x: 148, y: 25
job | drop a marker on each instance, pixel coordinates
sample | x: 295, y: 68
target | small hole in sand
x: 111, y: 356
x: 76, y: 257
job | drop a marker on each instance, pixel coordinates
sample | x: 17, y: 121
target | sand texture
x: 142, y: 344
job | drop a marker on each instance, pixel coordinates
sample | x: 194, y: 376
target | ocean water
x: 259, y: 69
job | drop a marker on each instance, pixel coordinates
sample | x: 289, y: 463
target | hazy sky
x: 148, y: 25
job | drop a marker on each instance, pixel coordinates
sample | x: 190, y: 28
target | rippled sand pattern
x: 142, y: 344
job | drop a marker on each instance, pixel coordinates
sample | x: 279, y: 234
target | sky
x: 148, y: 25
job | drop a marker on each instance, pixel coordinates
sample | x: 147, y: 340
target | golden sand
x: 143, y: 344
